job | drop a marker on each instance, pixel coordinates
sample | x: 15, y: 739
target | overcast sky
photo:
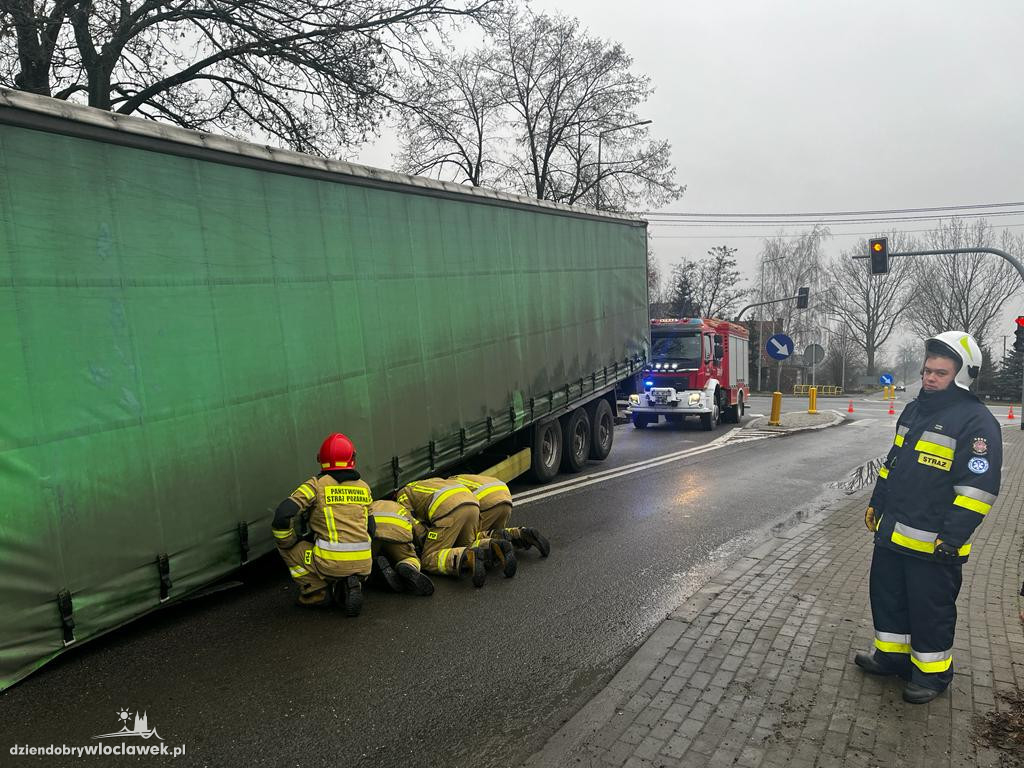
x: 789, y: 106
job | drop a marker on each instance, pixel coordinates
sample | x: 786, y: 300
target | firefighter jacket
x: 335, y: 508
x: 393, y: 522
x: 941, y: 476
x: 432, y: 499
x: 489, y: 491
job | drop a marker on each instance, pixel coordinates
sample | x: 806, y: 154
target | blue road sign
x: 885, y: 379
x: 779, y: 346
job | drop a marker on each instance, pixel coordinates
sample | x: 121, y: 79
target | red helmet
x: 337, y: 452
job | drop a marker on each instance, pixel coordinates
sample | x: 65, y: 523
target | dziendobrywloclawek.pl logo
x: 136, y: 737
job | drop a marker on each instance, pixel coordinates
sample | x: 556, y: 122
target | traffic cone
x: 850, y: 408
x: 1010, y: 415
x: 892, y: 407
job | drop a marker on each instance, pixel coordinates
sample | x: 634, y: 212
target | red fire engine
x: 698, y: 367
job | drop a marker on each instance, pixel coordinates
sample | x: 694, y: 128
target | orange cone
x: 892, y: 407
x: 850, y: 408
x: 1010, y: 415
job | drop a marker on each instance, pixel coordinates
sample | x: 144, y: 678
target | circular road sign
x: 885, y: 379
x: 814, y: 354
x: 779, y: 346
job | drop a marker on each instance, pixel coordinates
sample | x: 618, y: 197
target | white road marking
x: 544, y: 492
x: 861, y: 422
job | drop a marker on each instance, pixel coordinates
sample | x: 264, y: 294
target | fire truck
x: 698, y: 367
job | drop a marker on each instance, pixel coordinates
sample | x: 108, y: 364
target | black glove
x: 946, y: 553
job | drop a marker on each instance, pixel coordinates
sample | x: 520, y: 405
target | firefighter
x: 333, y: 504
x: 495, y: 510
x: 394, y: 553
x: 938, y: 482
x: 449, y: 516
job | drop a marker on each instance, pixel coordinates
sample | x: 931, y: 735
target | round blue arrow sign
x: 885, y: 379
x: 779, y: 346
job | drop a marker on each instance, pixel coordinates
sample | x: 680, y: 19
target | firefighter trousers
x: 446, y: 538
x: 913, y: 607
x: 299, y: 560
x: 397, y: 552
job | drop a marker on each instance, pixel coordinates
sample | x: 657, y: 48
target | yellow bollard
x: 773, y: 420
x: 812, y: 400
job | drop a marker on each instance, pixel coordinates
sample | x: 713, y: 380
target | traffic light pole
x: 762, y: 304
x: 944, y: 251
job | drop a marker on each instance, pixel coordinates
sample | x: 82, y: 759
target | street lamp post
x: 600, y: 139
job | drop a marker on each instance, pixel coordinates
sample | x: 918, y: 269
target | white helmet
x: 961, y: 347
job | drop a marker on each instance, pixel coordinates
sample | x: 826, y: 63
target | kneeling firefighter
x: 495, y: 511
x: 450, y: 516
x: 939, y: 480
x: 394, y: 552
x: 333, y: 505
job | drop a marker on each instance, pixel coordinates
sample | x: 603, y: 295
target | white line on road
x: 860, y: 422
x: 535, y: 494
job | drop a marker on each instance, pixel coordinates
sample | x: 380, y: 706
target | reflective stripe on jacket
x: 432, y: 499
x: 940, y: 478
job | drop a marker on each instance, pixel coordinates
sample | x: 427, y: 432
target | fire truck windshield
x: 681, y: 347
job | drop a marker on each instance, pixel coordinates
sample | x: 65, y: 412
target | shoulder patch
x: 979, y: 445
x: 978, y: 465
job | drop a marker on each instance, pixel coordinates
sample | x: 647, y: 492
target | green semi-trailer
x: 183, y: 317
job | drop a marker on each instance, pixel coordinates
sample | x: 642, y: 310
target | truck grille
x: 678, y: 383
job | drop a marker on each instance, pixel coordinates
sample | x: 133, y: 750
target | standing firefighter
x: 938, y: 482
x: 495, y: 511
x: 450, y: 517
x: 333, y: 504
x: 394, y: 551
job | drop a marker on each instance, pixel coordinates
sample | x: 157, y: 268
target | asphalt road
x: 467, y: 677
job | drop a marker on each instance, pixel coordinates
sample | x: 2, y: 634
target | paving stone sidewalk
x: 756, y: 669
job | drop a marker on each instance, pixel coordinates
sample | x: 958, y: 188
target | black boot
x: 867, y: 662
x: 472, y: 560
x: 388, y: 573
x: 349, y: 593
x: 504, y: 555
x: 524, y: 538
x: 417, y: 582
x: 918, y: 694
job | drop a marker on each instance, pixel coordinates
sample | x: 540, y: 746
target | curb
x: 760, y: 423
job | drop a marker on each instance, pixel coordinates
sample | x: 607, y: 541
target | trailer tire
x: 576, y: 437
x: 602, y: 430
x: 546, y: 454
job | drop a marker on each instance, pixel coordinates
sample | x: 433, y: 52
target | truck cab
x: 698, y: 367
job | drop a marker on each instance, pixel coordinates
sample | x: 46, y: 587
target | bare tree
x: 562, y: 92
x: 716, y: 282
x: 314, y: 74
x: 962, y: 292
x: 452, y: 111
x: 870, y: 306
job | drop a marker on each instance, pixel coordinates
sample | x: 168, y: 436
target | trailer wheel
x: 547, y: 451
x: 602, y: 430
x: 576, y: 437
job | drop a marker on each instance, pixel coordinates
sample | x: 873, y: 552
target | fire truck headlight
x: 634, y: 399
x: 694, y: 398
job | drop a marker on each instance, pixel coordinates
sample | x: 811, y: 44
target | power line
x: 659, y: 222
x: 725, y: 236
x: 826, y: 214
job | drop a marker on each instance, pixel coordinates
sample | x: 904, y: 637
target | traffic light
x: 1018, y: 335
x: 879, y: 250
x: 801, y: 297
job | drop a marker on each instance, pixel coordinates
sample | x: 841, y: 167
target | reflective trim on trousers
x: 442, y: 556
x: 340, y: 550
x: 883, y: 472
x: 890, y: 642
x: 297, y: 571
x: 931, y: 663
